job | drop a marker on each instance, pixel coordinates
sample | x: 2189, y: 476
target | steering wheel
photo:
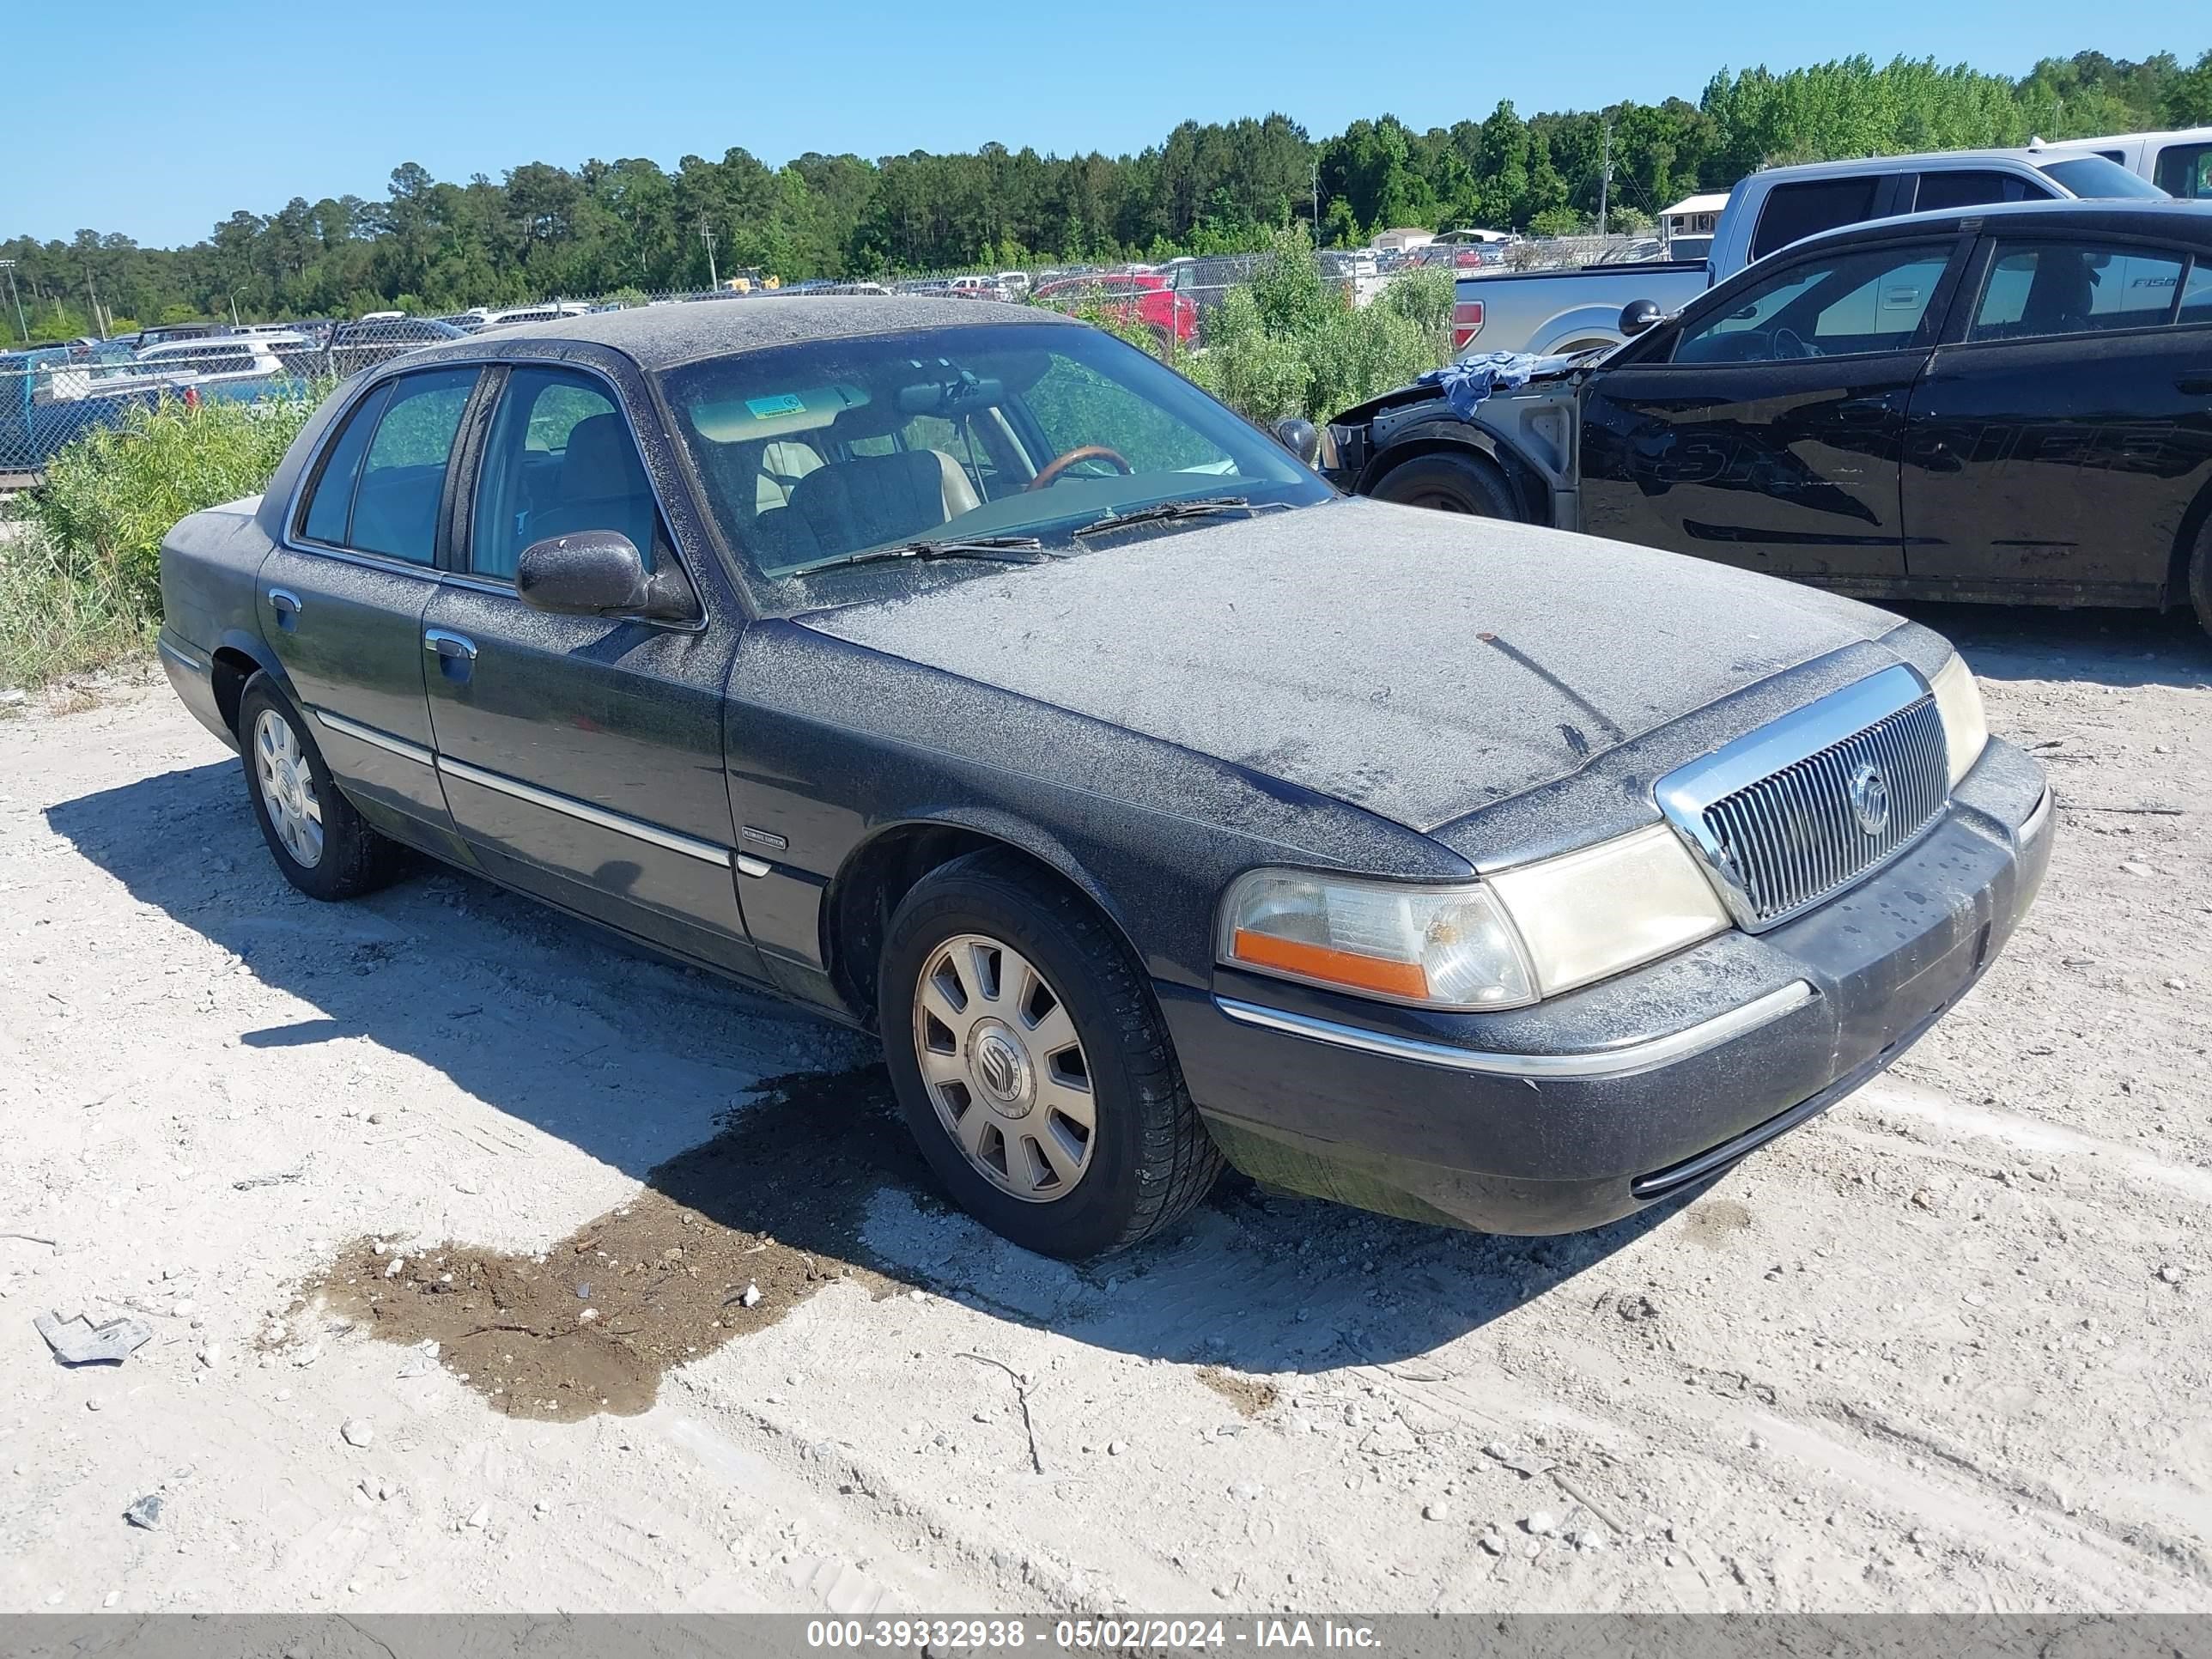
x: 1054, y: 468
x: 1789, y: 342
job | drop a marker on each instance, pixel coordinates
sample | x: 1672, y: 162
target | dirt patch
x: 1711, y: 1222
x: 1250, y: 1395
x: 726, y: 1239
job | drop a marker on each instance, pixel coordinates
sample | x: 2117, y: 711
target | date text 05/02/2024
x: 986, y: 1635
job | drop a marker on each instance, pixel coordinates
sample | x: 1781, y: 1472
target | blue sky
x: 180, y: 114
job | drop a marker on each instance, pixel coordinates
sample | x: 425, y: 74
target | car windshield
x: 2093, y: 176
x: 808, y: 455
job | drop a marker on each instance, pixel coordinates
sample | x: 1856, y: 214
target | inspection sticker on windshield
x: 788, y: 404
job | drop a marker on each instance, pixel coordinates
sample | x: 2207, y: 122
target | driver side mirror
x: 1300, y: 438
x: 598, y: 572
x: 1639, y: 317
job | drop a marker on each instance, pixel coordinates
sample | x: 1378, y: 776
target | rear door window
x: 329, y: 504
x: 2037, y: 290
x: 395, y: 506
x: 1965, y: 187
x: 2197, y: 296
x: 1794, y: 212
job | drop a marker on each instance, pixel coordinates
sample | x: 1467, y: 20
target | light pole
x: 234, y: 308
x: 17, y: 300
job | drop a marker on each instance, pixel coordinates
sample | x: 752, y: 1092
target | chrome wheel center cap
x: 1002, y: 1068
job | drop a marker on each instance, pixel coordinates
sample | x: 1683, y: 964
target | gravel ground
x: 1944, y: 1349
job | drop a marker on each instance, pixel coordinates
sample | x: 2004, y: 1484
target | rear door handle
x: 286, y: 603
x: 445, y: 644
x: 2194, y: 386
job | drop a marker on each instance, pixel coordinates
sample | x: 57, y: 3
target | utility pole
x: 1316, y: 202
x: 22, y: 327
x: 98, y: 321
x: 1605, y: 179
x: 707, y: 235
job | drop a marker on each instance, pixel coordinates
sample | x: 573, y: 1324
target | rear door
x: 2064, y: 428
x: 1763, y: 428
x: 341, y: 599
x: 582, y: 756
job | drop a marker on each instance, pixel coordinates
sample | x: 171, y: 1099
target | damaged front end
x: 1517, y: 409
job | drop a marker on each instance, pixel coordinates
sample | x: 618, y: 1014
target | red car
x: 1137, y: 297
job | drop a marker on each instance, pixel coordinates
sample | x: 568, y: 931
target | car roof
x: 663, y: 336
x: 2187, y: 223
x: 1925, y: 159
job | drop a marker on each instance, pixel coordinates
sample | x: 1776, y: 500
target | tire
x: 1449, y: 482
x: 1032, y: 961
x: 340, y: 857
x: 2200, y: 577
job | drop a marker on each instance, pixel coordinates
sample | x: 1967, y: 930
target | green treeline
x: 631, y: 224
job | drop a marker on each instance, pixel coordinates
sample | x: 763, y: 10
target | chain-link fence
x: 50, y: 395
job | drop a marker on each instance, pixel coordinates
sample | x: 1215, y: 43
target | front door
x: 1764, y: 429
x: 582, y: 756
x: 2061, y: 437
x: 341, y: 598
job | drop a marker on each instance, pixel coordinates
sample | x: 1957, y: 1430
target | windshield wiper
x: 998, y: 549
x: 1204, y: 506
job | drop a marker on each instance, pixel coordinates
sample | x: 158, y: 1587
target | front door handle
x: 286, y: 603
x: 445, y: 644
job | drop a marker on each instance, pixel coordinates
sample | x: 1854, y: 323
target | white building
x: 1694, y: 216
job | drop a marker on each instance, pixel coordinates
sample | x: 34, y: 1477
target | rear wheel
x: 1449, y: 482
x: 2200, y: 577
x: 320, y: 843
x: 1031, y: 1063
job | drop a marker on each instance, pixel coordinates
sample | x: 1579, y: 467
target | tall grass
x: 53, y: 622
x: 111, y: 495
x: 81, y: 579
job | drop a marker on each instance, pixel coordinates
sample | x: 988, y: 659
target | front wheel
x: 1032, y: 1065
x: 320, y: 843
x: 1449, y: 482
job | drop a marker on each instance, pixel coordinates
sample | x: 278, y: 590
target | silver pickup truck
x: 1570, y: 311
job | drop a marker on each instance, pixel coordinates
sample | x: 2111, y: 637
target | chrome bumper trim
x: 2036, y: 822
x: 1604, y: 1062
x: 183, y: 658
x: 706, y: 852
x: 371, y: 735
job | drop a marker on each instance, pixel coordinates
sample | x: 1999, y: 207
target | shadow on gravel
x: 2100, y: 647
x: 782, y: 1183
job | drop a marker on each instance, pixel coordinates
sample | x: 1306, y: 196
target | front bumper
x: 1590, y: 1106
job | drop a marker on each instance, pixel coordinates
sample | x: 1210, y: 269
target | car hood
x: 1420, y: 665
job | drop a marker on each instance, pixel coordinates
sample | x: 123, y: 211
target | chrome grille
x: 1800, y: 810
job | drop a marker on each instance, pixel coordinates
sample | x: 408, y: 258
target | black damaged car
x: 980, y: 682
x: 2010, y: 404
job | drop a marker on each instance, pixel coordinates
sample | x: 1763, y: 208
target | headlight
x: 1596, y: 911
x: 1442, y: 947
x: 1959, y: 702
x: 1500, y: 943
